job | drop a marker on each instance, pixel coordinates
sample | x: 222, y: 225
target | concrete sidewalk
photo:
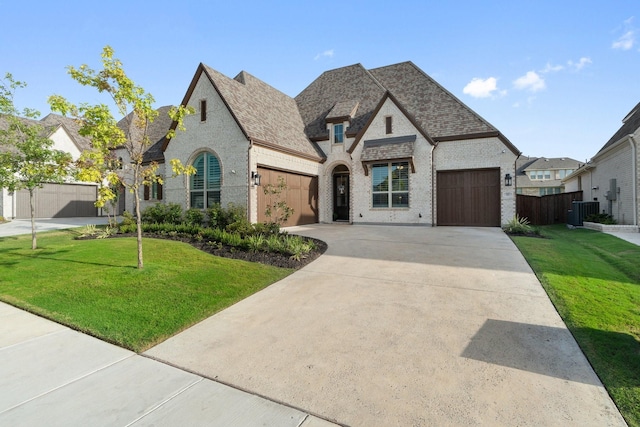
x: 411, y: 326
x: 51, y: 375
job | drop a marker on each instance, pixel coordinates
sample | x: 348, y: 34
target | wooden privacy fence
x: 545, y: 210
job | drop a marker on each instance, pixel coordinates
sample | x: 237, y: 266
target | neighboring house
x: 157, y: 131
x: 540, y: 176
x: 54, y: 200
x: 612, y: 176
x: 386, y: 145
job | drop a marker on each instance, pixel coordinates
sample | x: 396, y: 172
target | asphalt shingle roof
x: 436, y: 110
x: 630, y: 125
x: 388, y: 148
x: 72, y: 128
x: 157, y: 132
x: 264, y: 113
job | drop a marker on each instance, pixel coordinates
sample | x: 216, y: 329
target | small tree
x: 97, y: 123
x: 27, y: 157
x: 277, y: 210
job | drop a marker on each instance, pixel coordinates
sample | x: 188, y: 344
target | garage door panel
x: 58, y: 201
x: 468, y: 197
x: 301, y: 195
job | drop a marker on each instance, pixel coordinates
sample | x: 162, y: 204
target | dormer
x: 339, y: 118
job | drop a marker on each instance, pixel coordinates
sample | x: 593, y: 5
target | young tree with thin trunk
x: 135, y: 105
x: 27, y: 157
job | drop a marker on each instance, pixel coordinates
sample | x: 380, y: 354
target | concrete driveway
x: 23, y: 226
x: 410, y: 326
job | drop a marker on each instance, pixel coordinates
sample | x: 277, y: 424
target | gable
x: 630, y: 125
x: 265, y: 115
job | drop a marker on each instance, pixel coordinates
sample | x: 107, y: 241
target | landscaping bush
x: 520, y: 225
x: 170, y: 213
x: 219, y: 217
x: 266, y: 228
x: 194, y: 217
x: 601, y: 218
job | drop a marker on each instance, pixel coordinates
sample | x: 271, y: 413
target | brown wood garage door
x: 58, y: 201
x: 469, y: 197
x: 301, y: 195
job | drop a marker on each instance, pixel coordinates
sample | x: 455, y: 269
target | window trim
x: 206, y: 188
x: 203, y: 110
x: 334, y: 134
x: 390, y: 192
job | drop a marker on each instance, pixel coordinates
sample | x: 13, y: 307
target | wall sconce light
x: 507, y: 180
x: 341, y: 189
x: 255, y: 178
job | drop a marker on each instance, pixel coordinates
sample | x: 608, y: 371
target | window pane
x: 380, y: 175
x: 400, y: 176
x: 400, y: 200
x: 547, y: 174
x: 381, y: 200
x: 213, y: 172
x: 197, y: 179
x: 213, y: 197
x: 197, y: 200
x: 338, y: 134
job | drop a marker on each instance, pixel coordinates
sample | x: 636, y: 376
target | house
x: 69, y: 199
x: 383, y: 145
x: 540, y: 176
x: 157, y: 132
x: 612, y: 176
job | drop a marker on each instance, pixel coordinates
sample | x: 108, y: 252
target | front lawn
x: 94, y: 285
x: 593, y: 279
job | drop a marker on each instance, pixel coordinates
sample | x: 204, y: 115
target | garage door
x: 469, y: 197
x: 301, y: 194
x: 59, y: 201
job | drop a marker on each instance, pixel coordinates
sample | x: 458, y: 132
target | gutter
x: 634, y: 181
x: 433, y: 188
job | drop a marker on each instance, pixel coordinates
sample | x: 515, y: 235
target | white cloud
x: 325, y: 54
x: 530, y: 81
x: 479, y: 88
x: 552, y: 68
x: 580, y: 64
x: 628, y: 39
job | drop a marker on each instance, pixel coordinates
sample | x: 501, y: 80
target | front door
x: 341, y: 197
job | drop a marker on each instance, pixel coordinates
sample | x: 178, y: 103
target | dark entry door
x: 341, y: 197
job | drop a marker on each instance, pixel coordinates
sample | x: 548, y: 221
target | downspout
x: 634, y: 181
x: 248, y: 177
x: 433, y: 185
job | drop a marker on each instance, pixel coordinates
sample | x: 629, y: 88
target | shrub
x: 231, y: 239
x: 256, y: 242
x: 297, y: 247
x: 106, y: 232
x: 266, y: 228
x: 194, y: 217
x: 159, y: 213
x: 519, y: 225
x: 219, y: 217
x: 88, y: 230
x: 601, y: 218
x: 241, y: 226
x: 128, y: 218
x: 127, y: 228
x: 275, y: 243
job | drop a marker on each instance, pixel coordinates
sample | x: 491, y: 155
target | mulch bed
x: 269, y: 258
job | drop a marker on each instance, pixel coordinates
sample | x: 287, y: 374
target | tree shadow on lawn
x: 49, y: 256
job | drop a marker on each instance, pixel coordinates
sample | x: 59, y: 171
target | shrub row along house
x: 612, y: 176
x: 385, y: 145
x: 53, y: 200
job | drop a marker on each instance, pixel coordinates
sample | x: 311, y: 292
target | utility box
x: 612, y: 194
x: 580, y: 210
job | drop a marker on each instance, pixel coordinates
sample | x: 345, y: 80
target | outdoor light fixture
x: 341, y: 188
x: 255, y: 178
x: 507, y: 180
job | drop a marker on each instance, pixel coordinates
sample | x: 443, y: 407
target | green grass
x: 94, y: 285
x: 593, y: 279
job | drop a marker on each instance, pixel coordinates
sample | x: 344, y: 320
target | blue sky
x: 555, y: 77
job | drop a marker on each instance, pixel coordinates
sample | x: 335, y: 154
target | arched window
x: 205, y: 183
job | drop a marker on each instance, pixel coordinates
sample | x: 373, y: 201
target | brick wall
x: 219, y: 135
x: 615, y: 164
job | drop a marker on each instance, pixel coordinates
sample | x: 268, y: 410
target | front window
x: 205, y: 183
x: 338, y: 134
x: 390, y: 185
